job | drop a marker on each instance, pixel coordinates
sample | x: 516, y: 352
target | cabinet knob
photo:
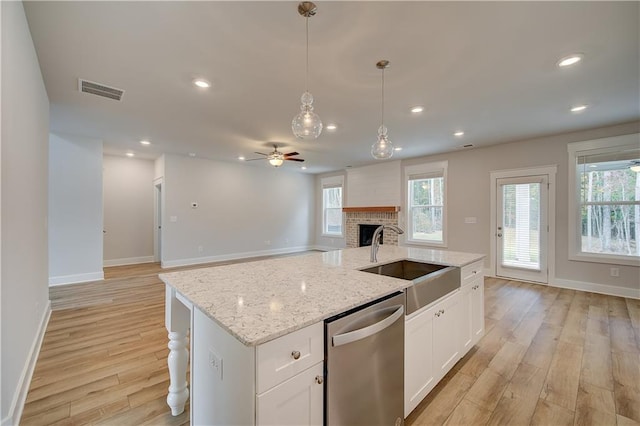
x: 442, y: 311
x: 319, y: 380
x: 437, y: 314
x: 295, y: 354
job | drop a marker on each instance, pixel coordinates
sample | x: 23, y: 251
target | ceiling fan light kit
x: 306, y: 124
x: 277, y: 158
x: 383, y: 147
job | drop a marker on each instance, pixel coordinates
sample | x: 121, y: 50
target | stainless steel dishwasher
x: 365, y: 365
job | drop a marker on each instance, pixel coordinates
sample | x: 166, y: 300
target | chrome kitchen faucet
x: 375, y: 241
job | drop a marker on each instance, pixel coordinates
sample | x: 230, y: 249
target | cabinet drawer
x: 286, y: 356
x: 470, y: 272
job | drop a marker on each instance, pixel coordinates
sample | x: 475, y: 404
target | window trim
x: 575, y: 150
x: 426, y: 169
x: 326, y: 183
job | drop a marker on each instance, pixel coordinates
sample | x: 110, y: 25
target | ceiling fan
x: 276, y: 158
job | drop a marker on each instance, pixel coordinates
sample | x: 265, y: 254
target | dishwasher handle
x: 362, y: 333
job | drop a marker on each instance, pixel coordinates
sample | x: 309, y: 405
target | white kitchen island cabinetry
x: 432, y: 347
x: 276, y: 383
x: 256, y: 345
x: 472, y: 313
x: 439, y: 335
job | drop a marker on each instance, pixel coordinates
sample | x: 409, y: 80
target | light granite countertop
x: 261, y: 300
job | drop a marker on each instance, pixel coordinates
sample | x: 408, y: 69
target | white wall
x: 469, y: 189
x: 75, y: 210
x: 24, y: 147
x: 242, y: 210
x: 128, y: 210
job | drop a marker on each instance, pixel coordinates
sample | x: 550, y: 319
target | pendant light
x: 307, y: 124
x: 383, y: 148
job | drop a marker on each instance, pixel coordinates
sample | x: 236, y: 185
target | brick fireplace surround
x: 370, y: 218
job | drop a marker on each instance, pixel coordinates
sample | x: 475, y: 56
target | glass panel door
x: 521, y: 237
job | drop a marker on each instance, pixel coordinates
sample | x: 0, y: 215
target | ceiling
x: 486, y: 68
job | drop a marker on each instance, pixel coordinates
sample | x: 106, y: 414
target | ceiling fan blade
x: 294, y: 159
x: 254, y: 159
x: 291, y: 154
x: 261, y: 153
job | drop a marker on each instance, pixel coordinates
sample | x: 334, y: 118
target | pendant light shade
x: 306, y: 124
x: 383, y: 148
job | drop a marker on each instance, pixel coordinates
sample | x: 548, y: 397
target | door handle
x: 499, y: 234
x: 362, y: 333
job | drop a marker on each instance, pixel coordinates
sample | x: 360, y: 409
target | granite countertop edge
x: 259, y: 301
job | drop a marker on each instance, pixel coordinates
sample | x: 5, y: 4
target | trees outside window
x: 426, y: 203
x: 332, y: 216
x: 604, y: 205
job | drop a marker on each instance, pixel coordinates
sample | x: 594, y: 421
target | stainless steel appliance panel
x: 365, y: 366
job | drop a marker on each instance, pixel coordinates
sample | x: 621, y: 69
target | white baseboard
x: 128, y: 261
x: 19, y: 398
x: 610, y: 290
x: 632, y: 293
x: 232, y: 256
x: 77, y: 278
x: 325, y: 248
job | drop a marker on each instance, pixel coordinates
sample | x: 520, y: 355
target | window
x: 332, y: 206
x: 605, y: 206
x: 426, y: 203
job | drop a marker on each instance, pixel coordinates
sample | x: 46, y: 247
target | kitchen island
x: 249, y: 307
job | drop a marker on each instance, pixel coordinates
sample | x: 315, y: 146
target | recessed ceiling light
x: 145, y: 142
x: 570, y: 60
x: 459, y: 133
x: 331, y: 127
x: 303, y: 168
x: 130, y: 154
x: 192, y: 154
x: 397, y: 148
x: 241, y: 158
x: 578, y: 108
x: 417, y: 109
x: 202, y: 83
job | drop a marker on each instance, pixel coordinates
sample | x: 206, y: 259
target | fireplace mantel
x: 372, y: 209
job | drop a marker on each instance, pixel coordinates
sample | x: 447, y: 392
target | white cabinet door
x: 466, y: 317
x: 297, y: 401
x: 446, y: 334
x: 419, y: 374
x: 477, y: 310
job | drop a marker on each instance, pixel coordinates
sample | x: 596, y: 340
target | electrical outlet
x: 200, y: 249
x: 215, y: 362
x: 267, y: 242
x: 614, y: 272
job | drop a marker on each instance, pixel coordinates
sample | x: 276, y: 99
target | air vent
x: 99, y: 89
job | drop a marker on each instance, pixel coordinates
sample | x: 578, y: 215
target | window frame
x: 410, y: 173
x: 576, y: 150
x: 329, y: 183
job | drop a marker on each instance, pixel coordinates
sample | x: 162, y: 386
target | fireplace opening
x: 366, y: 234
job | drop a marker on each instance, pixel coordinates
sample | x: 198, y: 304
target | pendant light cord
x: 306, y: 78
x: 382, y: 122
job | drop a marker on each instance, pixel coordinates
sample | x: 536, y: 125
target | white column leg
x: 177, y: 361
x: 177, y: 321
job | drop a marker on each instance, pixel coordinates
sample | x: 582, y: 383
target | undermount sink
x: 404, y: 269
x: 430, y: 282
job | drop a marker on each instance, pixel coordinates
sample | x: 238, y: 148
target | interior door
x: 522, y: 228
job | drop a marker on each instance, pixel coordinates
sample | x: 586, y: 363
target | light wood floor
x: 549, y: 357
